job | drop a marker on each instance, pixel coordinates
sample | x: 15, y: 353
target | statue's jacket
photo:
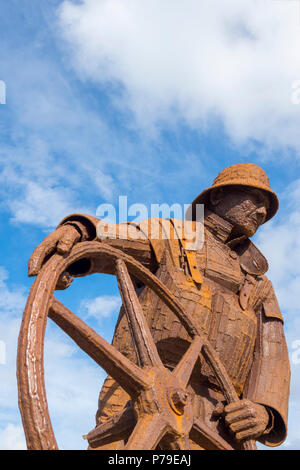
x: 223, y: 286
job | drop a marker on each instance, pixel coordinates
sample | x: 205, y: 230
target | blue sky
x: 149, y: 100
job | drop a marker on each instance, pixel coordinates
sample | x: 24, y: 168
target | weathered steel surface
x: 162, y: 406
x: 198, y: 359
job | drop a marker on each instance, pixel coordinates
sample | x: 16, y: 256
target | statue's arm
x: 80, y: 227
x: 269, y: 380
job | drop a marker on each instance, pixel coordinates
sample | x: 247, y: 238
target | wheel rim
x: 30, y: 367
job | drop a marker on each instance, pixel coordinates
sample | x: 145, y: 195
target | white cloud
x: 100, y: 307
x: 43, y: 205
x: 67, y: 152
x: 12, y: 301
x: 12, y: 438
x: 54, y: 162
x: 234, y: 60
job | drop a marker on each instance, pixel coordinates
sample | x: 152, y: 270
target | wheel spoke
x: 164, y: 294
x: 220, y: 373
x: 250, y: 444
x: 142, y: 338
x: 148, y: 432
x: 116, y: 428
x: 185, y: 367
x: 128, y: 375
x: 207, y: 438
x: 182, y: 443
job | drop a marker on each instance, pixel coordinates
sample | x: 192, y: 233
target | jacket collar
x: 252, y: 261
x: 220, y: 228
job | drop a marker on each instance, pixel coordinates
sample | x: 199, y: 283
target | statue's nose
x: 261, y: 212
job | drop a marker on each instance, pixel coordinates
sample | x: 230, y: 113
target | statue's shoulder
x: 251, y: 258
x: 254, y: 263
x: 171, y: 234
x: 154, y: 228
x: 157, y: 228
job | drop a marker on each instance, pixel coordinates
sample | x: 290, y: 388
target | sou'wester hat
x: 247, y: 175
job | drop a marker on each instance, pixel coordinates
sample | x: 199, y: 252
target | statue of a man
x: 223, y: 285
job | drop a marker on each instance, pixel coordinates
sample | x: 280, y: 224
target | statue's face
x: 245, y: 208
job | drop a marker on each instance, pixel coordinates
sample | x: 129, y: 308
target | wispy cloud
x: 12, y: 300
x: 232, y: 61
x: 51, y: 157
x: 101, y: 307
x: 67, y: 146
x: 12, y: 438
x: 43, y: 206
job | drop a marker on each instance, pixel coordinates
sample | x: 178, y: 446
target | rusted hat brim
x: 202, y: 198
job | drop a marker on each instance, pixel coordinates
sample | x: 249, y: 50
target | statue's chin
x: 247, y: 230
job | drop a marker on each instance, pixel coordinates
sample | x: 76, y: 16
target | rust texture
x: 198, y: 358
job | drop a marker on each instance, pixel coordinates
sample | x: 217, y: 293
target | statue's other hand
x: 61, y: 240
x: 246, y: 419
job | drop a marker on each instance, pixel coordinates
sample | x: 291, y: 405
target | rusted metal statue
x: 199, y: 358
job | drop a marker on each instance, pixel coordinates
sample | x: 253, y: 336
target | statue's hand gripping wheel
x: 160, y: 412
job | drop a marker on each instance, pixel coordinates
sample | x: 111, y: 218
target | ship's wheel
x: 160, y: 410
